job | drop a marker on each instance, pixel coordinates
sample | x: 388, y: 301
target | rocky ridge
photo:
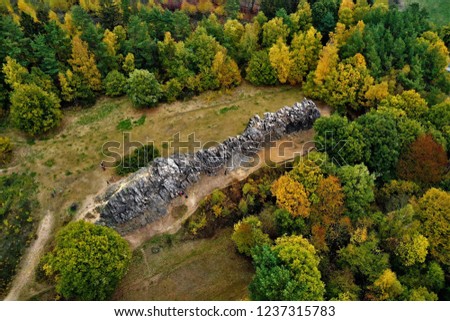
x: 144, y: 196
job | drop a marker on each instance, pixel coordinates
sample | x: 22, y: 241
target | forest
x: 366, y: 217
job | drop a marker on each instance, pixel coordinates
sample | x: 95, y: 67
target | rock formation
x: 144, y: 196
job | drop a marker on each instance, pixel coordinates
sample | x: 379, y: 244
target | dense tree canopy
x: 87, y: 262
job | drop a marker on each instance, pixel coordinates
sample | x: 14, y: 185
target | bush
x: 88, y: 261
x: 115, y: 84
x: 140, y: 157
x: 33, y: 110
x: 5, y: 150
x: 143, y: 89
x: 172, y: 90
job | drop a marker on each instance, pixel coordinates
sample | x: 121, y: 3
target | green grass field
x: 439, y: 10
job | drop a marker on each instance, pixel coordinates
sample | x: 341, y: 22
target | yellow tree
x: 346, y: 86
x: 205, y: 6
x: 302, y: 18
x: 28, y: 9
x: 273, y: 30
x: 280, y: 60
x: 15, y: 73
x: 110, y: 39
x: 226, y: 70
x: 346, y: 12
x: 83, y: 63
x: 387, y: 286
x: 305, y: 49
x: 376, y: 93
x: 291, y: 196
x: 128, y: 63
x: 327, y: 62
x: 434, y: 209
x: 409, y: 101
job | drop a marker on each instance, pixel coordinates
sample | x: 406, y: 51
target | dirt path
x: 31, y: 259
x: 285, y: 150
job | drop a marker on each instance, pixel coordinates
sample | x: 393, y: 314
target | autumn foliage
x: 424, y: 162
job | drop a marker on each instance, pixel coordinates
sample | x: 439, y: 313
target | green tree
x: 305, y: 50
x: 232, y: 8
x: 324, y: 16
x: 143, y: 89
x: 140, y: 44
x: 45, y: 55
x: 410, y: 102
x: 87, y: 261
x: 365, y: 259
x: 270, y: 7
x: 357, y: 184
x: 110, y: 15
x: 434, y: 213
x: 382, y: 140
x: 342, y: 140
x: 172, y: 90
x: 259, y: 71
x: 300, y: 256
x: 115, y: 84
x: 203, y: 47
x: 287, y: 271
x: 273, y: 30
x: 248, y: 234
x: 302, y: 18
x: 34, y: 110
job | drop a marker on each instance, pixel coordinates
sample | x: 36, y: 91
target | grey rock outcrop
x: 143, y: 197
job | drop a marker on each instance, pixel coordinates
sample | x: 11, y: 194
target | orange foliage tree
x: 424, y: 162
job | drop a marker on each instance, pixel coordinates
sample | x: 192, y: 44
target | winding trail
x: 31, y: 258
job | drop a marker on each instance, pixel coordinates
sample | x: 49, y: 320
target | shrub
x: 5, y: 150
x: 140, y: 157
x: 88, y: 261
x: 115, y: 84
x: 172, y: 90
x: 143, y: 89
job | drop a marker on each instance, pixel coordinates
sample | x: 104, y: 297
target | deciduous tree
x: 291, y: 196
x: 143, y: 89
x: 280, y: 60
x: 424, y: 162
x: 34, y: 110
x: 87, y: 261
x: 248, y: 234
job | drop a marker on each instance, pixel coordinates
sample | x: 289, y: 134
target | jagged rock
x: 143, y: 197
